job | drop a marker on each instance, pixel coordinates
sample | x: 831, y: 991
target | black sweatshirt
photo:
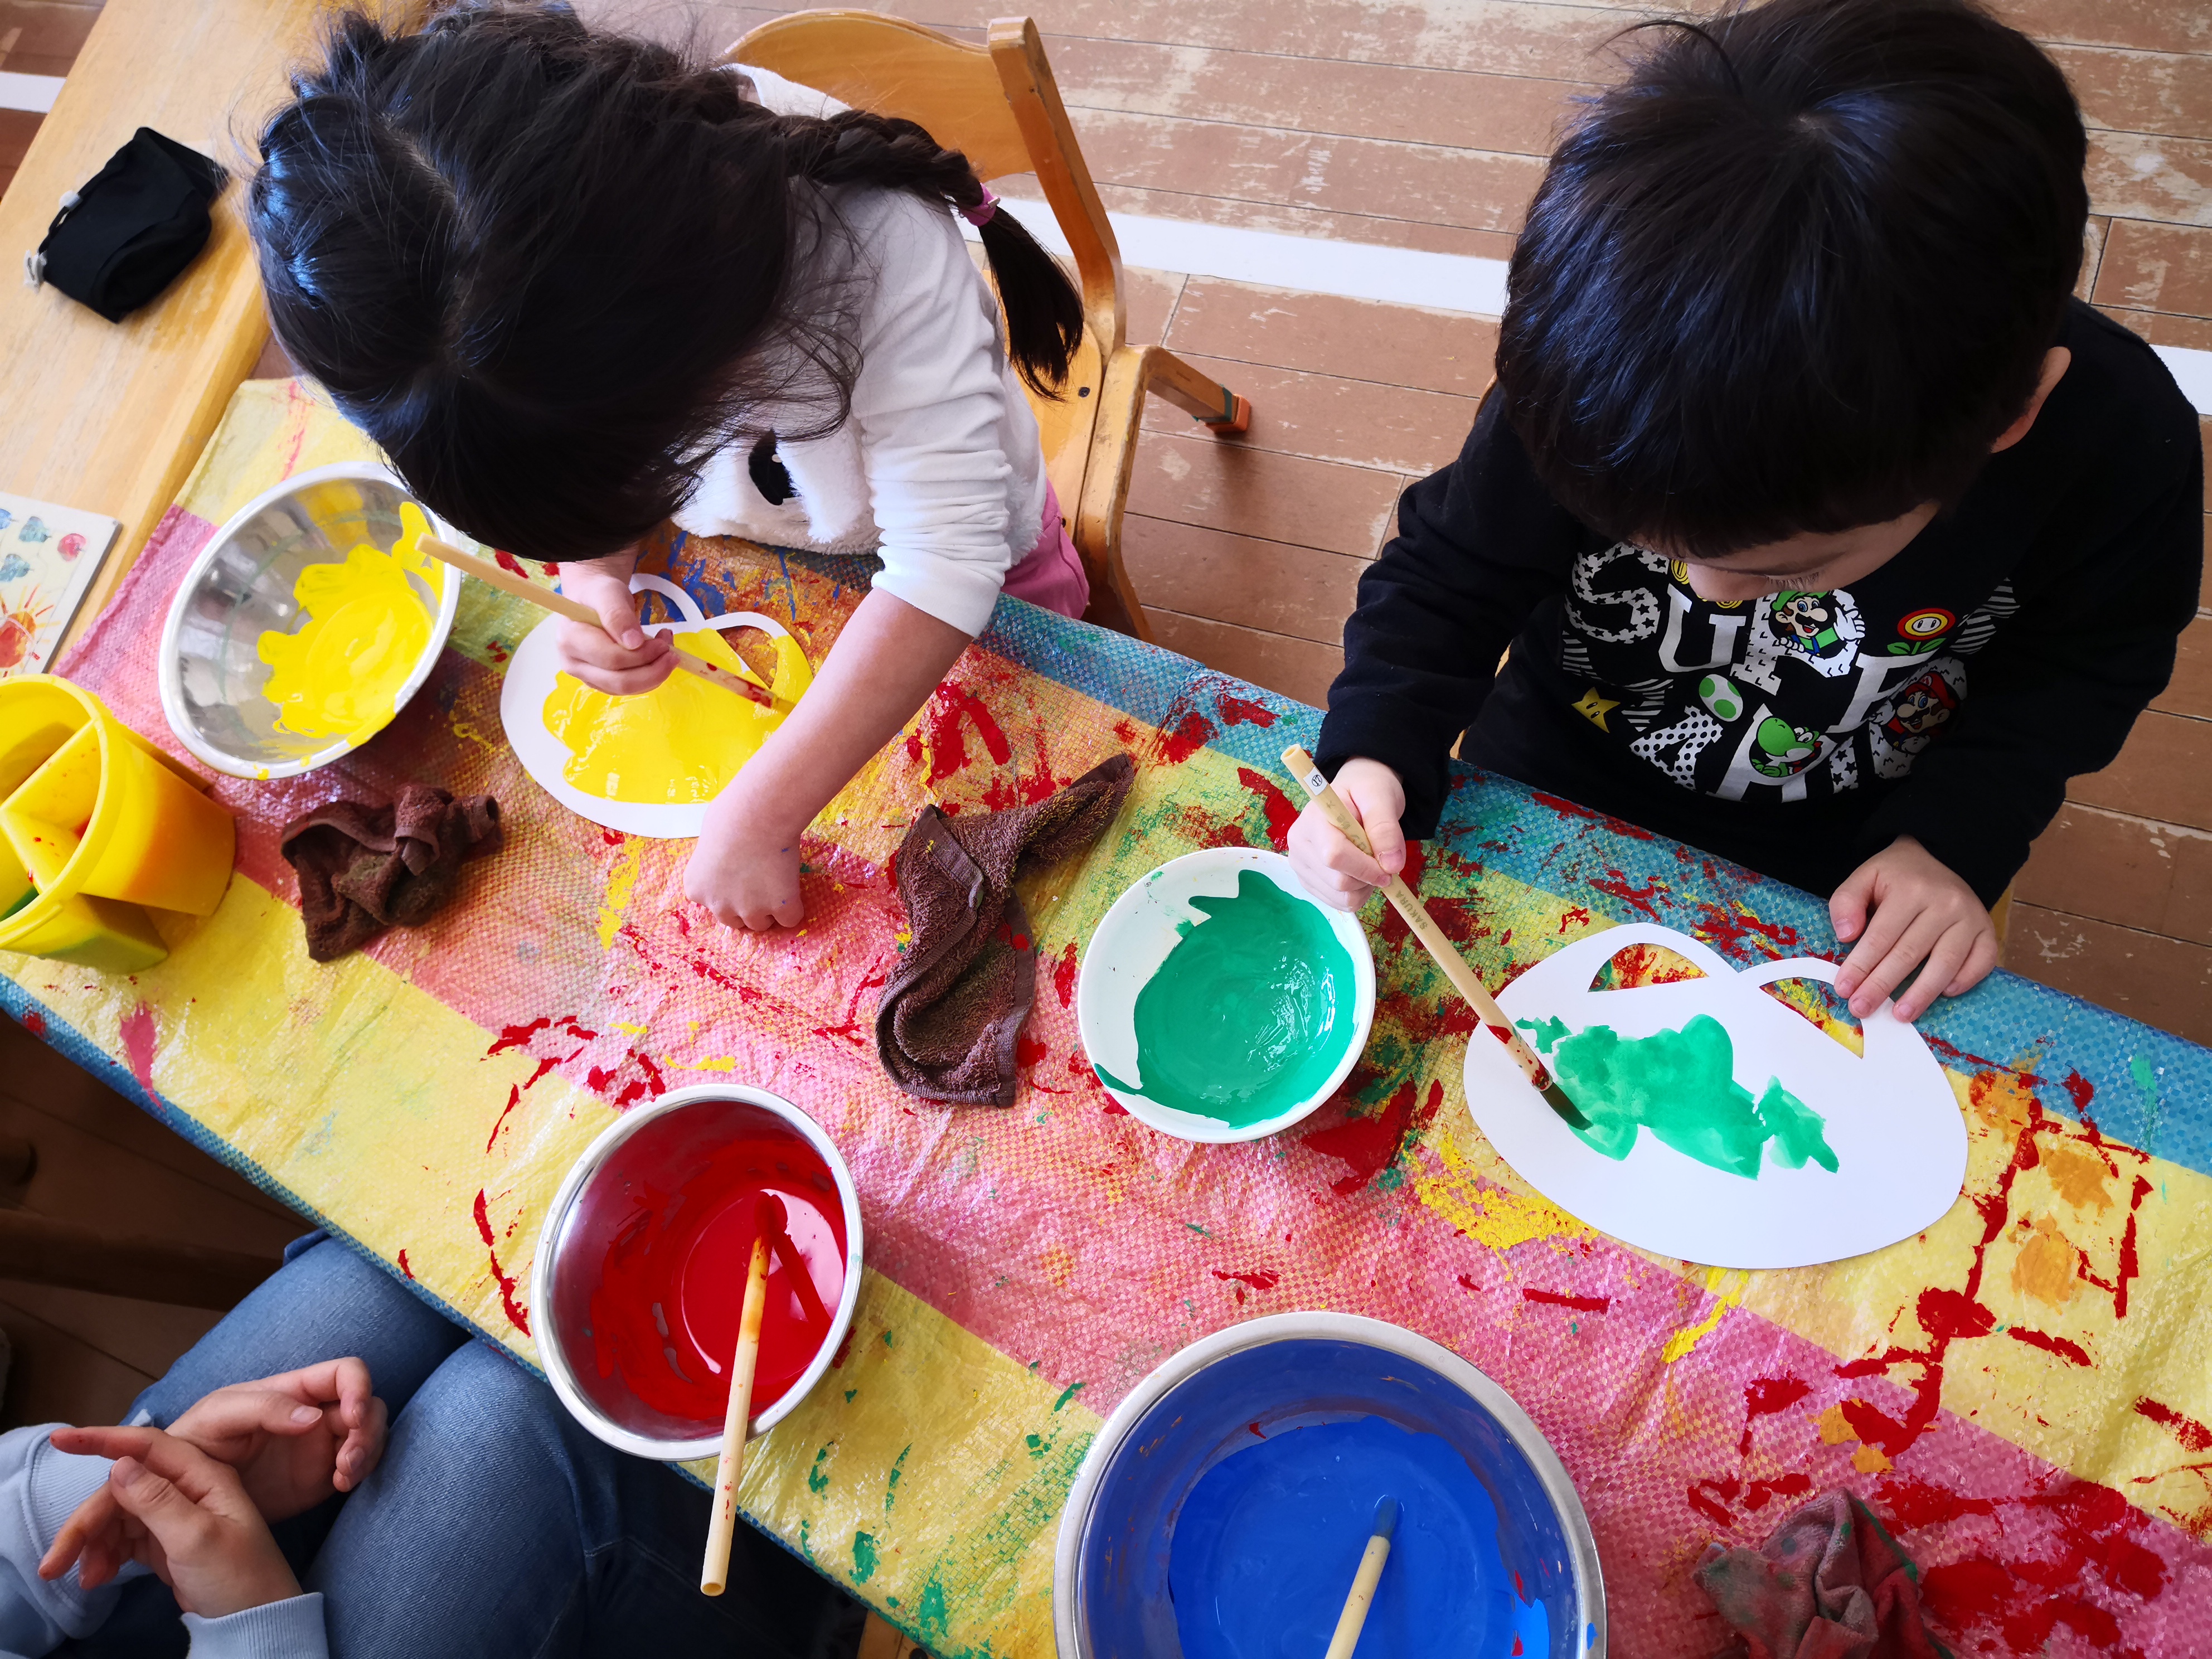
x: 1948, y: 695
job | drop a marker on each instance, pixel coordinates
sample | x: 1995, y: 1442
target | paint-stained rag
x: 364, y: 868
x: 949, y: 1019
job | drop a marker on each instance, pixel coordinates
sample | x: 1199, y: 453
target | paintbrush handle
x: 1403, y: 899
x: 715, y: 1574
x: 1353, y: 1619
x: 546, y: 599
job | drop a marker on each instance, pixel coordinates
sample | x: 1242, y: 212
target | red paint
x: 1567, y: 809
x: 1063, y: 975
x: 404, y: 1268
x: 685, y: 1252
x: 2193, y: 1435
x: 948, y: 745
x: 1186, y: 738
x: 517, y: 1037
x: 1028, y: 1051
x: 1255, y: 1427
x: 509, y: 564
x: 1765, y: 1396
x: 1710, y: 1499
x: 1368, y: 1145
x: 1561, y: 1299
x: 35, y: 1023
x: 138, y: 1039
x: 1575, y: 916
x: 1793, y: 1484
x: 1243, y: 711
x: 1259, y: 1278
x: 1614, y: 884
x: 1281, y: 814
x: 2081, y: 1090
x: 517, y: 1314
x: 1730, y: 932
x: 2057, y: 1345
x: 513, y: 1099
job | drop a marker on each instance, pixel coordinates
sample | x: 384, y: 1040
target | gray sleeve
x: 39, y: 1489
x: 290, y: 1629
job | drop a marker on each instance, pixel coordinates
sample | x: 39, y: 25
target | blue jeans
x: 495, y: 1524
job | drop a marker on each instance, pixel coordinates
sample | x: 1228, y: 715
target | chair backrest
x: 998, y: 105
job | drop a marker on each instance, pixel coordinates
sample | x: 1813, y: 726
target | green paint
x: 1242, y: 1021
x: 864, y: 1558
x: 887, y: 1338
x: 817, y: 1482
x: 1547, y: 1032
x: 1681, y: 1085
x: 1073, y: 1388
x: 891, y: 1486
x: 1036, y: 1444
x: 933, y: 1619
x: 849, y: 1393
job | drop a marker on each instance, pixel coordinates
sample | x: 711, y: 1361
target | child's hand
x: 1332, y: 869
x: 1923, y: 914
x: 619, y: 657
x: 294, y: 1439
x: 746, y: 868
x: 188, y: 1518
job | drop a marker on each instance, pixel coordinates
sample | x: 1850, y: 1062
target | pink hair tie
x: 980, y: 214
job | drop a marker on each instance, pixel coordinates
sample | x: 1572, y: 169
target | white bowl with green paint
x: 1219, y: 1002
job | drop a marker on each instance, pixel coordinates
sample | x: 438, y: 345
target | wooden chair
x: 998, y: 105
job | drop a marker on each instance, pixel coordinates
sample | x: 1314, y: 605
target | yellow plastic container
x: 97, y: 826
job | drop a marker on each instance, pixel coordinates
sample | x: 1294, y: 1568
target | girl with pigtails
x: 576, y: 283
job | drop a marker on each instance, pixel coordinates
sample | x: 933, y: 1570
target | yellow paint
x: 1490, y: 1214
x: 679, y: 744
x: 1726, y: 1286
x: 2045, y: 1268
x: 2077, y: 1174
x: 621, y: 881
x: 1871, y: 1460
x: 340, y: 676
x: 1835, y: 1429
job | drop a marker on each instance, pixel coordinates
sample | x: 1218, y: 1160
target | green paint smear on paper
x: 1242, y: 1022
x: 1681, y: 1086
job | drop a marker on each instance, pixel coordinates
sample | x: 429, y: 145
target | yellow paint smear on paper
x: 340, y: 676
x: 679, y: 744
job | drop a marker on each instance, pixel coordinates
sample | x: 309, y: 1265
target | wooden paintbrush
x: 1354, y: 1616
x: 1425, y: 927
x: 715, y: 1573
x: 562, y: 605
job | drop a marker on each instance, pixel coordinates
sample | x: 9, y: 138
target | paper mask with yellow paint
x: 647, y: 765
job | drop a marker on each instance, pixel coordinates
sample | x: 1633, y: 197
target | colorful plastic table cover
x: 2023, y: 1392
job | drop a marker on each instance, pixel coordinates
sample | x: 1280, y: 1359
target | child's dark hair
x: 551, y: 268
x: 1795, y: 273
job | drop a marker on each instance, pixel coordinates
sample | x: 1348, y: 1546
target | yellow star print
x: 1592, y: 708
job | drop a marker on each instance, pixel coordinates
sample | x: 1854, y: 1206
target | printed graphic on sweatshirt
x: 1789, y: 696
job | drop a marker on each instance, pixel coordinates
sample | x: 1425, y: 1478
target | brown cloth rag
x: 363, y: 868
x: 1830, y: 1583
x: 946, y: 1026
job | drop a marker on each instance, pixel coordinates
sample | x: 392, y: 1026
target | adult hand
x: 746, y: 866
x: 187, y: 1518
x: 1925, y: 917
x: 1331, y: 868
x: 293, y: 1438
x: 618, y: 656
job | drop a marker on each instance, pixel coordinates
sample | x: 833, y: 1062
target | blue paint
x: 1267, y: 1544
x: 1123, y: 1595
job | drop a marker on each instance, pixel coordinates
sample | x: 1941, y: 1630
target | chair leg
x: 1209, y: 403
x: 1096, y: 527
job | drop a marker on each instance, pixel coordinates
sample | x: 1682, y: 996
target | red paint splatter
x: 1710, y: 1499
x: 139, y: 1036
x: 1255, y: 1427
x: 1259, y: 1278
x: 1467, y: 1284
x: 2057, y: 1345
x: 1616, y: 884
x: 1063, y: 975
x: 2080, y: 1090
x: 1792, y: 1484
x: 509, y: 564
x: 1028, y: 1051
x: 844, y: 1351
x: 1765, y: 1396
x: 2193, y: 1435
x: 404, y: 1268
x: 1281, y: 814
x: 1243, y: 711
x: 35, y: 1023
x: 1567, y: 809
x: 516, y: 1313
x: 1575, y: 916
x: 1730, y: 931
x: 1370, y: 1145
x: 1561, y: 1299
x: 1186, y: 738
x: 948, y: 743
x: 513, y: 1099
x: 517, y: 1037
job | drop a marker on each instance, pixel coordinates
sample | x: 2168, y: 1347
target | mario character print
x: 1898, y: 728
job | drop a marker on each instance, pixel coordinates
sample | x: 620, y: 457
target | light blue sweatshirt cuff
x: 291, y: 1629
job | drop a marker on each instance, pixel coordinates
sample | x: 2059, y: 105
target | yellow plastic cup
x: 98, y: 826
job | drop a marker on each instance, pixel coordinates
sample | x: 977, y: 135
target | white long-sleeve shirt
x: 940, y: 469
x: 39, y: 1487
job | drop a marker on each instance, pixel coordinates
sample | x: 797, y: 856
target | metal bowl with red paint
x: 638, y: 1345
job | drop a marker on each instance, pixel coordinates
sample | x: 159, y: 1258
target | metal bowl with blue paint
x: 1111, y: 1593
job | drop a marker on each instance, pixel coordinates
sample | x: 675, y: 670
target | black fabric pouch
x: 124, y: 235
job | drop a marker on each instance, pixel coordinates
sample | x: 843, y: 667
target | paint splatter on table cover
x: 2024, y: 1392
